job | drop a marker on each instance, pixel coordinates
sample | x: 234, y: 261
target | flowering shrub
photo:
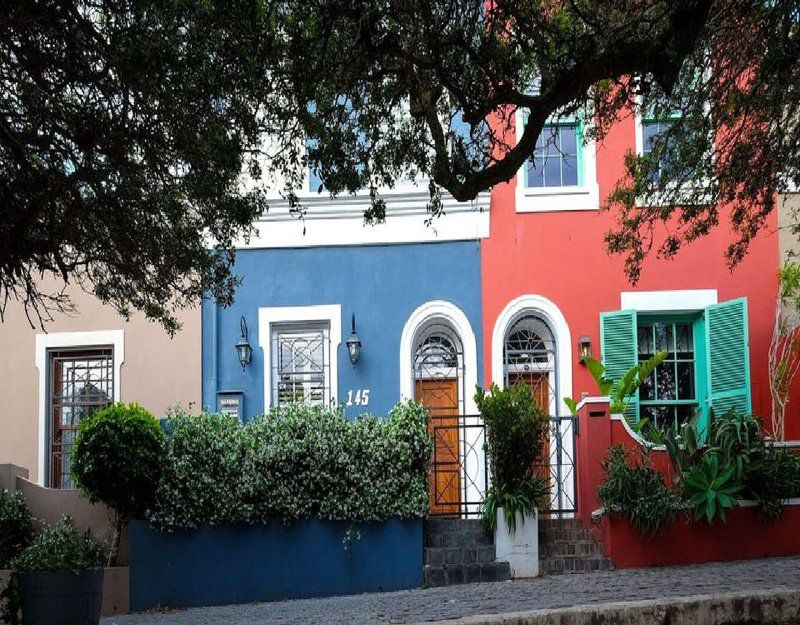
x: 296, y: 462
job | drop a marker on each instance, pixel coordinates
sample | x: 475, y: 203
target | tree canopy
x: 127, y: 127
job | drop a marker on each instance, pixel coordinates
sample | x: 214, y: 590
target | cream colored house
x: 788, y: 213
x: 89, y: 359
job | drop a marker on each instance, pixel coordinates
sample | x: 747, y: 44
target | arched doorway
x: 530, y: 355
x: 438, y: 373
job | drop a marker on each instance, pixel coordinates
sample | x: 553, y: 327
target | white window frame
x: 549, y: 199
x: 279, y: 316
x: 66, y: 340
x: 685, y: 300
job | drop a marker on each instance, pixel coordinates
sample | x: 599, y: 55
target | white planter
x: 520, y: 549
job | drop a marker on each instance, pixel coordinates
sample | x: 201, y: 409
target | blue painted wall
x: 381, y: 284
x: 240, y: 564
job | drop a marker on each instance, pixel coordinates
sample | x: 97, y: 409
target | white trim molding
x: 340, y: 221
x: 267, y: 317
x: 547, y: 310
x: 439, y: 309
x: 585, y: 196
x: 687, y: 300
x: 65, y: 340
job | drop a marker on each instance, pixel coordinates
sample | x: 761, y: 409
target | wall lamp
x: 243, y: 349
x: 353, y: 342
x: 584, y: 348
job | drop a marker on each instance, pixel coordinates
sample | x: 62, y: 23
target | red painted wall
x: 745, y: 535
x: 561, y: 256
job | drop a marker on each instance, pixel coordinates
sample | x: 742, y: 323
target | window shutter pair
x: 726, y: 348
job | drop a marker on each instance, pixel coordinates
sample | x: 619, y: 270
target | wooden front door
x: 440, y: 398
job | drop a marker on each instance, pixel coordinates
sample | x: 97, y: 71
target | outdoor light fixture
x: 353, y: 342
x: 584, y: 348
x: 243, y: 349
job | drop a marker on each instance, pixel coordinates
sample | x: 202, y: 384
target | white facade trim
x: 267, y: 317
x: 547, y: 310
x: 439, y: 309
x: 668, y: 301
x: 62, y: 340
x: 340, y: 221
x: 549, y: 199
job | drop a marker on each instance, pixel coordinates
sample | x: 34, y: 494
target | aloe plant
x: 710, y: 488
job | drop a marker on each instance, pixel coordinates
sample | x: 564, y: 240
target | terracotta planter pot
x: 61, y: 597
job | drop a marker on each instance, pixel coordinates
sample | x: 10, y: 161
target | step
x: 573, y: 564
x: 456, y: 533
x: 440, y: 556
x: 465, y: 574
x: 585, y: 548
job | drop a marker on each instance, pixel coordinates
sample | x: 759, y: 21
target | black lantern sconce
x: 353, y: 342
x: 584, y: 348
x: 243, y: 349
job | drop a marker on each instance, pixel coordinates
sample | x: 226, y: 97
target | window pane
x: 552, y: 171
x: 665, y: 381
x: 569, y: 171
x: 645, y: 342
x: 664, y: 338
x: 569, y: 140
x: 647, y: 390
x: 535, y: 177
x: 686, y: 380
x: 684, y: 341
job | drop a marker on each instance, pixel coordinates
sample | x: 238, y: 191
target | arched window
x: 530, y: 356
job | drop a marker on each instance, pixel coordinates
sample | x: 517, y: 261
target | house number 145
x: 358, y: 398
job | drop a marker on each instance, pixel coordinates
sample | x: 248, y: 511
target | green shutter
x: 728, y: 356
x: 619, y: 350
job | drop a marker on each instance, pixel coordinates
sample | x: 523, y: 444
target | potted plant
x: 59, y: 577
x: 516, y: 431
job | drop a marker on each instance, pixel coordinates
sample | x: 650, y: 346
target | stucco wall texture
x: 158, y: 371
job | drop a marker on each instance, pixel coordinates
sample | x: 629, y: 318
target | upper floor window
x: 557, y: 159
x: 561, y: 174
x: 654, y: 128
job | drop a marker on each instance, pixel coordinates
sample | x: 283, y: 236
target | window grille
x: 80, y: 382
x: 301, y: 364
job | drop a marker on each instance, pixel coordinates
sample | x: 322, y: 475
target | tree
x: 784, y: 348
x: 128, y: 128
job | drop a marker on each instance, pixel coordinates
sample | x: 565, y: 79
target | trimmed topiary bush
x: 16, y: 526
x: 117, y: 459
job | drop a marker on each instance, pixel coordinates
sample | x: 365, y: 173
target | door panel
x: 440, y: 398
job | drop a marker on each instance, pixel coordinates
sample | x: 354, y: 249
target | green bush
x: 117, y: 458
x: 773, y: 479
x: 297, y: 462
x: 16, y: 525
x: 59, y: 548
x: 516, y: 430
x: 637, y: 492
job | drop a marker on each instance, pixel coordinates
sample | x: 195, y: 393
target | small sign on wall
x: 231, y: 403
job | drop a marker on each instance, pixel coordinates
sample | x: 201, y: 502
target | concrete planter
x: 61, y: 597
x: 520, y: 549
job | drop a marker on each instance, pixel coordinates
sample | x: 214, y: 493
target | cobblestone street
x: 420, y: 605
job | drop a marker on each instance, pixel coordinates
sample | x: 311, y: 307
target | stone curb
x: 778, y: 605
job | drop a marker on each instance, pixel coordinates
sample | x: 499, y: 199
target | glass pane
x: 648, y: 388
x: 686, y: 380
x: 664, y: 338
x: 552, y: 171
x: 684, y: 341
x: 534, y: 176
x: 569, y: 170
x: 665, y: 381
x: 569, y: 140
x: 684, y: 412
x: 645, y: 342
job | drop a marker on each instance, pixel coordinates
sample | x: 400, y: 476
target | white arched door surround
x: 429, y: 312
x: 545, y: 309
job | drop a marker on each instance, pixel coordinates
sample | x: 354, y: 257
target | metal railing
x: 459, y: 472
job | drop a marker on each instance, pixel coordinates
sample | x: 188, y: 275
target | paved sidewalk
x: 433, y: 604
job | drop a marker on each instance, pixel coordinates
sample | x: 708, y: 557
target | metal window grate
x: 301, y: 364
x: 80, y: 382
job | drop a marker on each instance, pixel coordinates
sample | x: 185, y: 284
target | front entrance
x: 440, y: 398
x: 439, y: 386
